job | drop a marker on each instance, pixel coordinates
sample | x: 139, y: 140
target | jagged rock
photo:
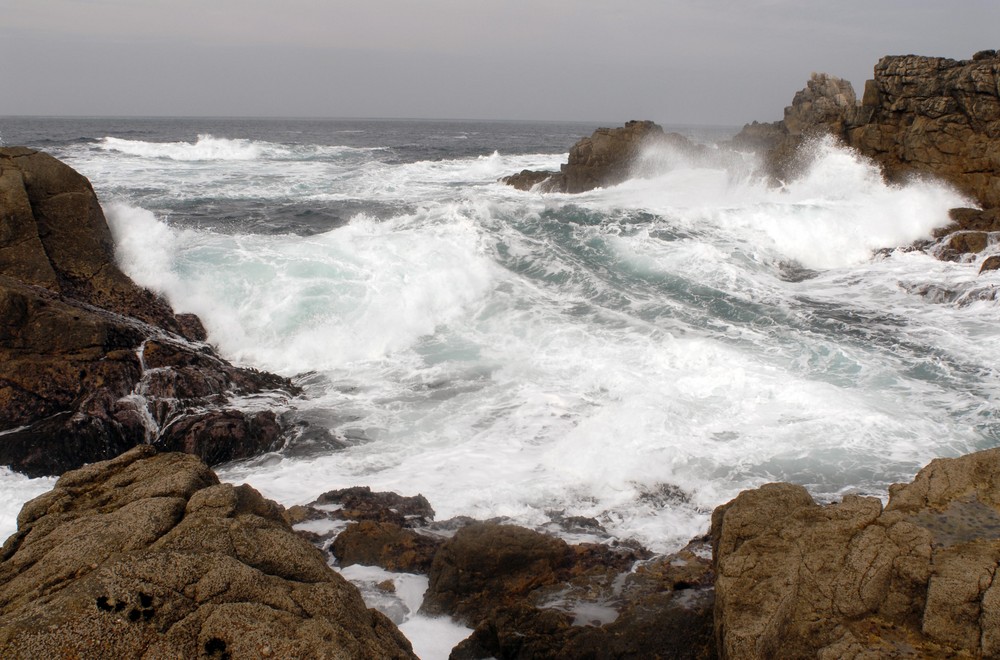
x: 918, y: 116
x: 606, y: 158
x: 487, y: 566
x: 661, y: 609
x: 800, y: 580
x: 387, y: 545
x: 931, y: 115
x: 527, y: 179
x: 825, y: 104
x: 360, y: 503
x: 90, y: 363
x: 150, y: 556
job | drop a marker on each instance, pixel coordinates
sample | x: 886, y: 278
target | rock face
x: 534, y: 596
x: 606, y: 158
x: 149, y: 556
x: 930, y: 115
x: 918, y: 116
x: 91, y: 364
x: 800, y: 580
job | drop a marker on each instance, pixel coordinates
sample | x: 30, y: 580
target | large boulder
x: 606, y: 158
x: 799, y: 580
x: 90, y: 363
x: 150, y: 556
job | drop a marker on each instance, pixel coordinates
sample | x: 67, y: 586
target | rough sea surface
x: 637, y: 354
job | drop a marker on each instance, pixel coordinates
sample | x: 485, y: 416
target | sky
x: 711, y: 62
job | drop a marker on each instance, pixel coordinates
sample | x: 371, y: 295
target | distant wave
x: 211, y: 148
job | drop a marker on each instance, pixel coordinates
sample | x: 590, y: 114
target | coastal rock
x: 918, y: 116
x: 990, y: 263
x: 799, y: 580
x: 90, y: 363
x: 386, y: 545
x: 487, y: 566
x: 937, y: 116
x: 606, y: 158
x: 360, y: 503
x: 53, y: 234
x: 660, y: 609
x: 150, y: 556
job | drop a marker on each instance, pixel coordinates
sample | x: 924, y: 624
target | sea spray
x: 636, y: 354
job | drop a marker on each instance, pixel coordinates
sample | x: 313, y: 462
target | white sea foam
x: 211, y: 148
x: 636, y: 354
x: 15, y: 490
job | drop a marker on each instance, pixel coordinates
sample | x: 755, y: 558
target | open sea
x: 637, y: 354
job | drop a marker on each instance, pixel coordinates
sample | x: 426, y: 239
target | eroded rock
x: 150, y: 556
x: 800, y: 580
x: 90, y: 363
x: 606, y: 158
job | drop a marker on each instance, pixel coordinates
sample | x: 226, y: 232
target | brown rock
x: 487, y: 566
x: 387, y: 545
x: 800, y: 580
x: 52, y: 216
x: 990, y: 263
x: 360, y: 503
x: 661, y: 609
x: 527, y: 179
x: 149, y: 556
x: 930, y: 115
x: 219, y: 436
x: 606, y: 158
x: 89, y: 362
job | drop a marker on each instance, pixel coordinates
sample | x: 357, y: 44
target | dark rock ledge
x: 90, y: 363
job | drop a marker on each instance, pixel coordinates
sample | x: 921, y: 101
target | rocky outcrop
x: 915, y: 579
x: 536, y: 597
x: 533, y: 595
x: 606, y: 158
x: 919, y: 116
x: 149, y: 556
x: 91, y: 364
x: 931, y: 115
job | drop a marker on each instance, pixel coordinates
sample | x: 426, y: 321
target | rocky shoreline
x: 139, y: 551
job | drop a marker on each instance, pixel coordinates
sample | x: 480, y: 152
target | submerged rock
x: 150, y: 556
x: 90, y: 363
x: 915, y: 579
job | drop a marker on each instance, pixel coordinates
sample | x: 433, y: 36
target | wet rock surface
x: 90, y: 363
x: 606, y: 158
x: 526, y: 593
x: 914, y: 579
x: 149, y: 555
x: 918, y: 116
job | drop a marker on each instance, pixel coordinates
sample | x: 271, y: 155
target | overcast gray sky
x: 674, y: 61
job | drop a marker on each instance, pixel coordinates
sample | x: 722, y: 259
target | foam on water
x: 637, y: 354
x: 211, y: 148
x: 15, y: 490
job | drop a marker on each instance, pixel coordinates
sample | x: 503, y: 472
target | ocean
x: 637, y: 354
